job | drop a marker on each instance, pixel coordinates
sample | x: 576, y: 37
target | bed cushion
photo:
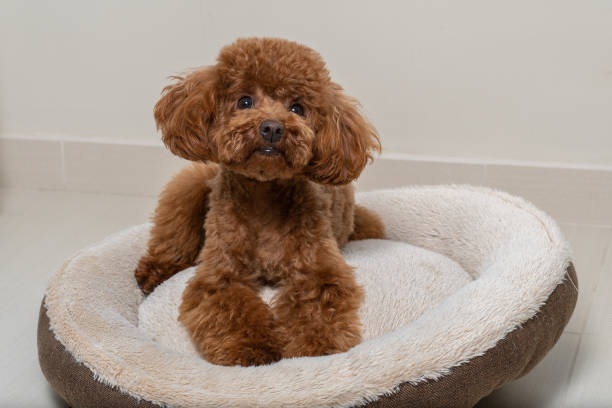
x: 482, y: 334
x: 401, y: 282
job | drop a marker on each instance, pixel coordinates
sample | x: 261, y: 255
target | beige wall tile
x: 124, y: 169
x: 569, y: 195
x: 30, y: 163
x: 390, y: 173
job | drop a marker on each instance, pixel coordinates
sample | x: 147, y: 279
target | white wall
x: 518, y: 80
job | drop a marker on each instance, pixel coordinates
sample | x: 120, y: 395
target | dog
x: 267, y: 200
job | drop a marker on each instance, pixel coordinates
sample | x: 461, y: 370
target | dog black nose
x: 271, y: 130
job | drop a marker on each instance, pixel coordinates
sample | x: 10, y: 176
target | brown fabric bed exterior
x: 72, y: 380
x: 513, y: 357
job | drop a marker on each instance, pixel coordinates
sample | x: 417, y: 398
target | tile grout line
x: 582, y: 224
x: 570, y: 375
x: 66, y: 190
x: 395, y: 155
x: 391, y: 155
x: 63, y: 164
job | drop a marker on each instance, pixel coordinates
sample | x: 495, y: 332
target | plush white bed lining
x: 393, y: 298
x: 515, y: 252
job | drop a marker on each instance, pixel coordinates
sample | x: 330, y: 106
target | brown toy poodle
x: 271, y: 206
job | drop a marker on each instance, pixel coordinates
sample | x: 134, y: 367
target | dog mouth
x: 268, y: 151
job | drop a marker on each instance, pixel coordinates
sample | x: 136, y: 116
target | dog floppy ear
x: 344, y: 143
x: 185, y: 113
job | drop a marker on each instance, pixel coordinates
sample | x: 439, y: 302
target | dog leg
x: 367, y: 225
x: 227, y: 320
x: 319, y: 309
x: 178, y: 232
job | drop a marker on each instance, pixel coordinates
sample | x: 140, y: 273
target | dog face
x: 268, y: 110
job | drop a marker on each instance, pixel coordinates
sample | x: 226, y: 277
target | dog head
x: 268, y: 110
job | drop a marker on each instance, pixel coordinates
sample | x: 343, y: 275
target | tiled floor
x: 39, y: 229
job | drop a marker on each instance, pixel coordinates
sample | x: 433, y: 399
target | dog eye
x: 246, y: 102
x: 297, y: 109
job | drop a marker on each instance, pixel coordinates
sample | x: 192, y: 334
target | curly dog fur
x: 271, y: 206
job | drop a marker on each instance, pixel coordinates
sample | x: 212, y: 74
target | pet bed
x: 470, y: 290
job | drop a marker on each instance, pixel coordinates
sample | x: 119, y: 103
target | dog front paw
x: 255, y: 345
x: 320, y: 341
x: 150, y: 273
x: 255, y: 342
x: 230, y: 325
x: 246, y: 354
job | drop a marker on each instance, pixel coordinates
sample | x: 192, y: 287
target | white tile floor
x: 39, y: 229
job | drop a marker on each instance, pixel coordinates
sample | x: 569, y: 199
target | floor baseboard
x: 564, y: 191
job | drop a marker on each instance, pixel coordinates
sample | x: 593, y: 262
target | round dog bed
x: 479, y: 301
